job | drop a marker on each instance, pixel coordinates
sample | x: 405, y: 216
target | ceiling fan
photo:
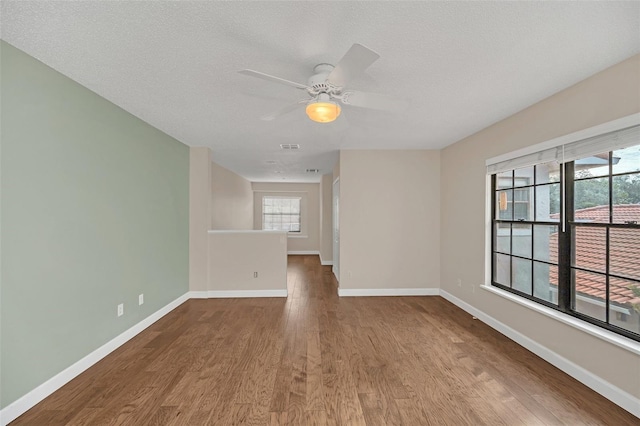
x: 326, y: 88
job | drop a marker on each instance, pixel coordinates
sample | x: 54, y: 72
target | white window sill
x: 290, y: 235
x: 594, y: 330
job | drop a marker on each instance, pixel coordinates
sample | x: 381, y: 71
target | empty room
x: 319, y: 213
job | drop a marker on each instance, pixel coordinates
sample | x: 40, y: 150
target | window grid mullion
x: 494, y: 229
x: 565, y: 291
x: 533, y: 232
x: 513, y: 216
x: 608, y: 233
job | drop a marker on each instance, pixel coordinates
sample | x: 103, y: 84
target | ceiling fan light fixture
x: 323, y: 112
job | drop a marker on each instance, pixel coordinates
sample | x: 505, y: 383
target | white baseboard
x: 345, y: 292
x: 326, y: 262
x: 21, y: 405
x: 604, y: 388
x: 228, y: 294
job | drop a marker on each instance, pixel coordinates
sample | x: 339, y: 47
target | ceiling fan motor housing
x: 318, y: 83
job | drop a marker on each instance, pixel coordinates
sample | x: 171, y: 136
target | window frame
x: 566, y: 225
x: 279, y: 197
x: 532, y: 223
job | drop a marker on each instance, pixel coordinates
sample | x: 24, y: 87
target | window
x: 281, y: 214
x: 526, y: 232
x: 566, y: 234
x: 605, y: 237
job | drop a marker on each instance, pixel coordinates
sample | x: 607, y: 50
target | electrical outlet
x: 255, y: 275
x: 121, y: 309
x: 140, y: 299
x: 459, y: 282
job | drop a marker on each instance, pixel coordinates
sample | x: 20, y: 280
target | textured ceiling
x: 461, y: 66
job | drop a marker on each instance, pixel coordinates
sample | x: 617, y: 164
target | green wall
x: 94, y: 212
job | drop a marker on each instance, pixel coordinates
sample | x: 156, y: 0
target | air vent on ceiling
x: 313, y: 170
x: 289, y: 146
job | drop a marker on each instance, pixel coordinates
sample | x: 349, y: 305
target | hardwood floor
x: 316, y: 359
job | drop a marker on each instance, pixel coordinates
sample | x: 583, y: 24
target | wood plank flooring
x: 316, y: 359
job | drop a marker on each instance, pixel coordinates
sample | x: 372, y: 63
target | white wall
x: 235, y: 257
x: 389, y: 219
x: 309, y: 238
x: 326, y: 219
x: 608, y: 95
x: 232, y: 200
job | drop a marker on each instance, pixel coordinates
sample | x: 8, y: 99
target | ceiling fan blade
x: 373, y: 101
x: 268, y: 77
x: 282, y: 111
x: 352, y: 64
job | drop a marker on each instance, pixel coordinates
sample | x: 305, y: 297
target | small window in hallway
x: 281, y: 214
